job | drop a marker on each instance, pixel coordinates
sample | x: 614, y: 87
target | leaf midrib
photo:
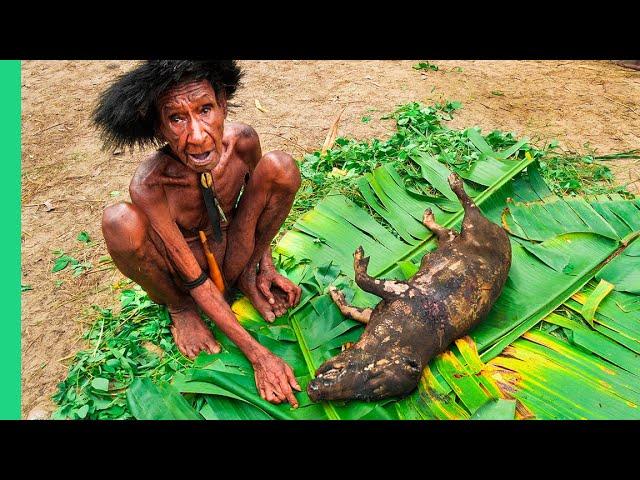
x: 479, y: 200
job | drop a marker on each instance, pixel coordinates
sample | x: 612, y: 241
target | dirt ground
x: 576, y: 102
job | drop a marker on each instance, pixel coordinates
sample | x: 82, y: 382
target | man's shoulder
x: 245, y: 141
x: 240, y: 130
x: 150, y: 169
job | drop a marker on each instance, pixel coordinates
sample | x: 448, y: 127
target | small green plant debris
x: 366, y: 119
x: 133, y: 343
x: 25, y: 288
x: 497, y: 93
x: 62, y: 261
x: 570, y: 173
x: 425, y: 66
x: 83, y: 237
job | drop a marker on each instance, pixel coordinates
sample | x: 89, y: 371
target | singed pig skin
x: 454, y: 289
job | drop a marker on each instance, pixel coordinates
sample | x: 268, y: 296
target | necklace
x: 214, y: 210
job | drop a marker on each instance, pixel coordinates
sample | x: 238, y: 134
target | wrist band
x: 197, y: 282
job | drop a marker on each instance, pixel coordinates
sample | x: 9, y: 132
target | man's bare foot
x: 191, y: 334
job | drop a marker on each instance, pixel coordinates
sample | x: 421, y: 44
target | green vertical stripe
x: 10, y: 239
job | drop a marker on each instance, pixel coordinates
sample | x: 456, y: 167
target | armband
x: 197, y: 282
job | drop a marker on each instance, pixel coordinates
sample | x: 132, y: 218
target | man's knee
x: 124, y: 227
x: 281, y: 170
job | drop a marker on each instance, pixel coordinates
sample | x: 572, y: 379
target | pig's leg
x: 472, y: 215
x: 387, y: 289
x: 443, y: 234
x: 360, y: 314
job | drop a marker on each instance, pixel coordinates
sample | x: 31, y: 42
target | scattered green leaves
x: 570, y: 173
x: 421, y: 128
x: 25, y: 288
x: 121, y: 347
x: 62, y: 261
x: 425, y: 66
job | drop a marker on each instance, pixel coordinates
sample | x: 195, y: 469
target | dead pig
x: 453, y: 290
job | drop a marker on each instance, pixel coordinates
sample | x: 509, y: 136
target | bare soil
x: 576, y: 102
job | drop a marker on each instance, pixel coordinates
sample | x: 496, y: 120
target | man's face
x: 192, y: 122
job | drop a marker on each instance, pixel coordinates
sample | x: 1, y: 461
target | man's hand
x: 268, y: 278
x: 275, y: 379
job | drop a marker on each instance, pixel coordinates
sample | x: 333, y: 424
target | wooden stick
x: 214, y: 270
x: 333, y: 132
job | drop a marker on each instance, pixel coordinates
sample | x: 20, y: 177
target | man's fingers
x: 266, y: 291
x: 288, y: 287
x: 291, y: 296
x: 286, y: 389
x: 276, y: 396
x: 292, y: 399
x: 279, y: 393
x: 270, y: 397
x: 292, y: 378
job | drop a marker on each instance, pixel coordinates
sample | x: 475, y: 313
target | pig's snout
x: 364, y: 378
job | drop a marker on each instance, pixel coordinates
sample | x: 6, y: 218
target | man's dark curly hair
x: 126, y: 113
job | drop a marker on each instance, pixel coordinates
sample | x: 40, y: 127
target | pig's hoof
x: 427, y: 217
x: 455, y: 180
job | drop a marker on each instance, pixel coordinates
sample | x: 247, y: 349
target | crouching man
x: 208, y: 176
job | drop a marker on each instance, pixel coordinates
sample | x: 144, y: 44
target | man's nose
x: 196, y: 132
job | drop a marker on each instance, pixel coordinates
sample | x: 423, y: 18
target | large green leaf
x: 556, y: 380
x: 558, y: 246
x: 161, y: 401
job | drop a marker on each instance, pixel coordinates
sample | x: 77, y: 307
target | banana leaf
x: 558, y: 245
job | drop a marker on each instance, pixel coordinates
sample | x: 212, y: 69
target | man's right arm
x: 274, y: 377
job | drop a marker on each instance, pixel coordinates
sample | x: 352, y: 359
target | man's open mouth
x: 200, y: 158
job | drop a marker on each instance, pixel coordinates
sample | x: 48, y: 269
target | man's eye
x: 206, y: 109
x: 174, y: 118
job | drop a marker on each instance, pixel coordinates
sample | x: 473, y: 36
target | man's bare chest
x: 185, y: 198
